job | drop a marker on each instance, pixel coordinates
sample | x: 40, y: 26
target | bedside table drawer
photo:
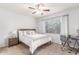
x: 13, y: 41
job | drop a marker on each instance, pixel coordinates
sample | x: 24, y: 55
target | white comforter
x: 35, y: 40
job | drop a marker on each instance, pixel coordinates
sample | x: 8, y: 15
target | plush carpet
x: 47, y: 49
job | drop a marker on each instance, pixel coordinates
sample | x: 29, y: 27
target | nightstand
x: 13, y: 41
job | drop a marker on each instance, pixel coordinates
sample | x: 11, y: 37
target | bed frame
x: 29, y: 30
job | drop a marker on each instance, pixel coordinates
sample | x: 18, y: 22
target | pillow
x: 24, y: 33
x: 29, y: 32
x: 32, y: 32
x: 21, y: 33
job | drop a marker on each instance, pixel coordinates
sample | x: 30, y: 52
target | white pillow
x: 21, y: 33
x: 24, y: 33
x: 32, y: 32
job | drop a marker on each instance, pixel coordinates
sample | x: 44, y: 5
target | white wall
x: 10, y: 22
x: 74, y: 21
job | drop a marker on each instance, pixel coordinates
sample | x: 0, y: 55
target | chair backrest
x: 69, y: 36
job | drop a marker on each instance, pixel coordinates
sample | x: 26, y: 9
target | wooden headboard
x: 24, y: 30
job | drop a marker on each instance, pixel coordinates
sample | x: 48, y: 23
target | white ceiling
x: 22, y: 8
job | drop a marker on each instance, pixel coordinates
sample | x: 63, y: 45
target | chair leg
x: 65, y: 42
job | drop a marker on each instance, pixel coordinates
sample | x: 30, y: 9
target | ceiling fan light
x: 41, y: 8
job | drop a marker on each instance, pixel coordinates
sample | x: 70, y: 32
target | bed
x: 33, y: 39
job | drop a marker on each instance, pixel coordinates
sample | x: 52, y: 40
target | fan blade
x: 46, y: 10
x: 31, y: 7
x: 34, y: 12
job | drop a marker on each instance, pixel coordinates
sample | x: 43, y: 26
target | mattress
x: 36, y: 36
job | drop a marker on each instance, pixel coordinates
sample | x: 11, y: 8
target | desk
x: 74, y: 38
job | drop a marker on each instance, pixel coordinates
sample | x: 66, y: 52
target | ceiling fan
x: 39, y: 8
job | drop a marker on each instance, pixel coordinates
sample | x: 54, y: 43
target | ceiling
x: 22, y: 8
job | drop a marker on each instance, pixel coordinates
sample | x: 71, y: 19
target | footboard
x: 39, y: 42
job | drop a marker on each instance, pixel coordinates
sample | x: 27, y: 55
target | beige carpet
x: 21, y: 49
